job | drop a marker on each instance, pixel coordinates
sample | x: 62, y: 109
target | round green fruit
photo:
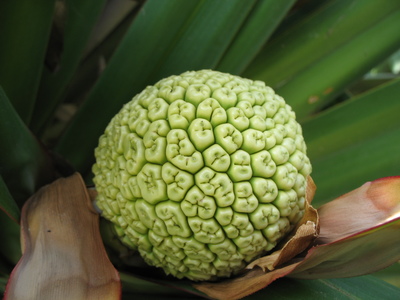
x: 202, y: 173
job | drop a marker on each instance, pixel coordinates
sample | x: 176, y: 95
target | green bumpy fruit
x: 202, y: 173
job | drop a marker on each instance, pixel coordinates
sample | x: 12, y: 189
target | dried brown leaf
x: 63, y: 254
x: 239, y: 287
x: 359, y: 233
x: 302, y: 238
x: 358, y: 255
x: 371, y: 204
x: 310, y: 189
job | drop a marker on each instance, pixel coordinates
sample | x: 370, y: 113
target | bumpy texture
x: 202, y: 173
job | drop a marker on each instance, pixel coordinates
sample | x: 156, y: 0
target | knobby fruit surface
x: 202, y: 173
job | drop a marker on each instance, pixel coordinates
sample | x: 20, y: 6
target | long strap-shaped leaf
x: 21, y: 151
x: 156, y: 45
x: 333, y: 79
x: 360, y: 118
x: 90, y: 68
x: 370, y: 159
x: 363, y: 287
x: 7, y: 203
x: 302, y: 62
x: 355, y: 142
x: 315, y: 34
x: 80, y: 17
x: 211, y: 28
x: 258, y: 27
x: 24, y: 31
x: 63, y: 254
x: 10, y: 251
x: 145, y: 43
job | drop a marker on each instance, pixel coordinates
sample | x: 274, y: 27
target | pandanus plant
x: 166, y: 147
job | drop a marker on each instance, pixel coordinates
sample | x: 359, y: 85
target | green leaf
x: 10, y: 249
x: 390, y: 274
x: 80, y: 17
x: 3, y: 283
x: 210, y: 29
x: 342, y: 171
x: 354, y: 142
x: 24, y: 31
x: 123, y: 78
x: 7, y: 203
x: 360, y: 118
x: 313, y: 61
x: 112, y: 16
x: 22, y: 152
x: 145, y: 296
x: 330, y: 84
x: 168, y: 54
x: 317, y: 31
x: 136, y: 285
x: 366, y: 287
x: 91, y: 67
x: 258, y: 27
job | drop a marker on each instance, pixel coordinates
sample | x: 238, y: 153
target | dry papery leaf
x: 63, y: 253
x: 357, y: 255
x: 258, y: 273
x: 359, y: 234
x: 370, y: 205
